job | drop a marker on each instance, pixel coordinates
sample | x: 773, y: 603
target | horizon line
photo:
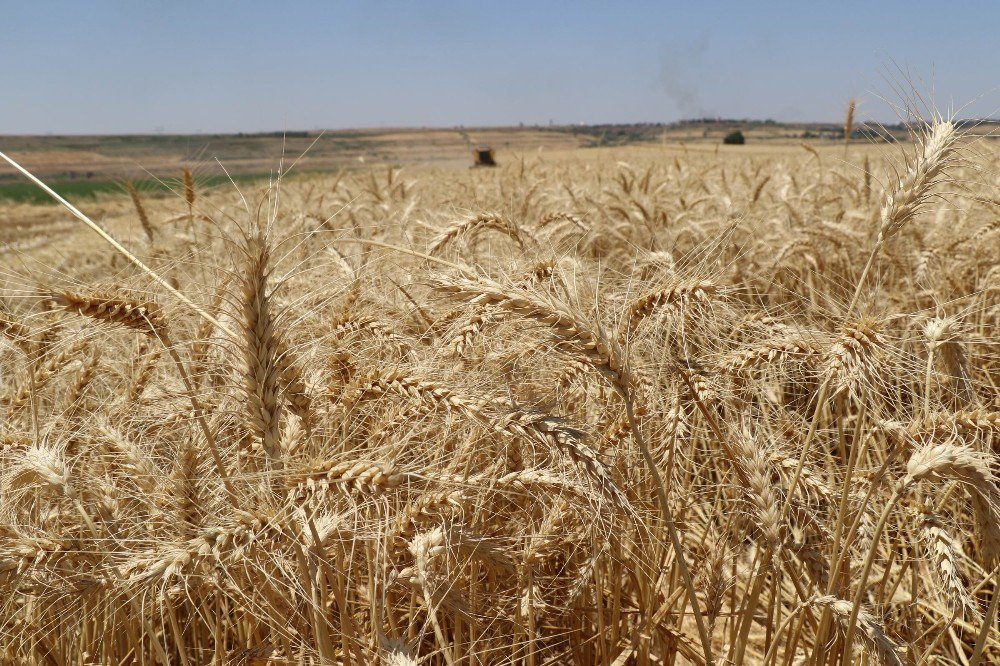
x: 460, y: 128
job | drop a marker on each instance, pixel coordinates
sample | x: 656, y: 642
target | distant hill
x: 72, y: 158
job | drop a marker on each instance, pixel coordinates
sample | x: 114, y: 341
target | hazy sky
x: 131, y: 66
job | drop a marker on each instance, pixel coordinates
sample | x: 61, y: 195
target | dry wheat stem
x: 114, y: 243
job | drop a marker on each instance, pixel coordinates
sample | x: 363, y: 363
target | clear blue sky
x: 131, y: 66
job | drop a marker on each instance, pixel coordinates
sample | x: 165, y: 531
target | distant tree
x: 734, y: 138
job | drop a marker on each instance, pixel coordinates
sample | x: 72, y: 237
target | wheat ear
x: 936, y: 151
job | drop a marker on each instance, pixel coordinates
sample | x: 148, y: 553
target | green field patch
x: 73, y: 190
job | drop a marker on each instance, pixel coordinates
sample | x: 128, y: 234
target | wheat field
x: 651, y: 405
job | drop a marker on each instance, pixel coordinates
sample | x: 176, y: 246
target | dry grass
x: 615, y: 407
